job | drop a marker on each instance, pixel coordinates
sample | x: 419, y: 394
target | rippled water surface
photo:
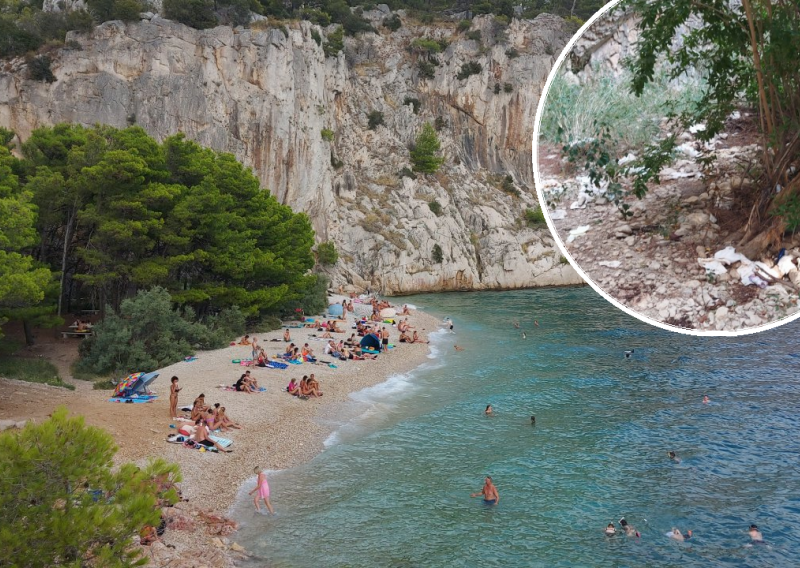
x: 393, y: 487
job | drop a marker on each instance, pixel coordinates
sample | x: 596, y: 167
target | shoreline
x: 279, y: 431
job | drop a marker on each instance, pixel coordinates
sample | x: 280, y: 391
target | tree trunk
x: 67, y: 237
x: 26, y: 327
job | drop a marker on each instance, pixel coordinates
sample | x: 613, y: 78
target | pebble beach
x: 279, y: 431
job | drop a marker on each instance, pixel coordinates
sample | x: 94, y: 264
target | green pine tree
x: 423, y: 154
x: 61, y: 504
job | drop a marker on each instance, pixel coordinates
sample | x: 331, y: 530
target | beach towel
x: 276, y: 365
x: 133, y: 400
x: 293, y: 362
x: 224, y: 442
x: 190, y: 359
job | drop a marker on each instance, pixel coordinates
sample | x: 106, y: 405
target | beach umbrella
x: 388, y: 312
x: 335, y: 309
x: 134, y: 384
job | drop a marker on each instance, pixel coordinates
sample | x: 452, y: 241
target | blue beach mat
x: 137, y: 400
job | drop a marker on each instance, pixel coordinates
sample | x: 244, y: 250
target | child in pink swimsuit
x: 262, y: 489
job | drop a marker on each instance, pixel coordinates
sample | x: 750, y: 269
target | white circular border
x: 565, y: 252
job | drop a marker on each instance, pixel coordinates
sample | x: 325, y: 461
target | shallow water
x: 392, y: 489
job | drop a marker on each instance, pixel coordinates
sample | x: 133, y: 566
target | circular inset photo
x: 666, y: 157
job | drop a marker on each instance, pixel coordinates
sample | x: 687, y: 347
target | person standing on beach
x: 262, y: 486
x: 489, y: 492
x: 173, y: 398
x: 255, y: 348
x: 385, y: 339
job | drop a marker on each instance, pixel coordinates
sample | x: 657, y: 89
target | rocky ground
x: 666, y: 261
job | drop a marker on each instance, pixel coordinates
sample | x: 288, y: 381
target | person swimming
x: 755, y: 535
x: 630, y: 530
x: 611, y: 530
x: 629, y: 353
x: 674, y: 457
x: 488, y: 411
x: 524, y: 335
x: 533, y: 421
x: 706, y: 400
x: 676, y: 534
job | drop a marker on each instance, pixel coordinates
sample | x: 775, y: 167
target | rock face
x: 265, y: 95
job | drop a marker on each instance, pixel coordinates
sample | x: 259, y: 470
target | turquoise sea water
x: 393, y: 487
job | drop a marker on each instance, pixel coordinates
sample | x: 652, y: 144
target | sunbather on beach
x: 201, y: 437
x: 286, y: 336
x: 417, y: 339
x: 293, y: 388
x: 198, y: 407
x: 243, y: 384
x: 225, y: 422
x: 312, y: 387
x: 211, y: 420
x: 405, y: 311
x: 245, y: 340
x: 404, y: 338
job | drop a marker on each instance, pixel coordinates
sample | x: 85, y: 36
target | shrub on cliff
x: 39, y: 69
x: 125, y: 10
x: 436, y: 254
x: 374, y: 119
x: 393, y: 22
x: 62, y: 502
x: 198, y: 14
x: 335, y: 43
x: 423, y: 154
x: 326, y: 253
x: 469, y: 68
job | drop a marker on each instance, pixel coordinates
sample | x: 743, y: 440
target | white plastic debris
x: 786, y: 264
x: 577, y: 232
x: 610, y: 263
x: 630, y: 157
x: 558, y: 214
x: 728, y: 255
x: 689, y: 150
x: 713, y: 266
x: 697, y: 128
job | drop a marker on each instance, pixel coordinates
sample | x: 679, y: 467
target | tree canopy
x: 121, y: 213
x: 748, y: 52
x: 61, y: 504
x: 23, y: 281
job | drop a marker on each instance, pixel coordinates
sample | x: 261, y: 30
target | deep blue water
x: 393, y: 489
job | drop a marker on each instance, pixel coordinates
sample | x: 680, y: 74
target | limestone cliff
x: 266, y: 94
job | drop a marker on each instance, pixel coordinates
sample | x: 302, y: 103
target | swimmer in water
x: 488, y: 411
x: 706, y: 400
x: 489, y: 492
x: 516, y: 324
x: 676, y: 534
x: 755, y: 535
x: 533, y: 421
x: 630, y: 530
x: 458, y: 348
x: 524, y: 335
x: 536, y: 323
x: 611, y: 530
x: 674, y: 457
